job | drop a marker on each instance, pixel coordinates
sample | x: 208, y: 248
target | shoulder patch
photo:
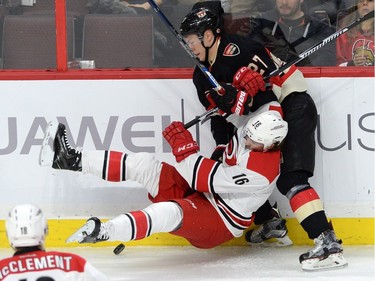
x: 231, y: 50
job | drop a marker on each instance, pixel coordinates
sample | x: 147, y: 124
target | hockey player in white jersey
x: 26, y: 229
x: 205, y: 201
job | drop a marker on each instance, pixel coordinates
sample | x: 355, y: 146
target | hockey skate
x: 63, y: 156
x: 272, y: 233
x: 327, y: 253
x: 91, y: 232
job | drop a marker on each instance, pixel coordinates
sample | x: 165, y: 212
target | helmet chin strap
x: 208, y: 48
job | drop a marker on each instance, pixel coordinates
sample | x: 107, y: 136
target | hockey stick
x: 200, y: 117
x: 302, y: 56
x: 183, y: 43
x: 319, y: 45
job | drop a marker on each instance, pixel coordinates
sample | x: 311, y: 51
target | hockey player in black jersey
x: 243, y: 64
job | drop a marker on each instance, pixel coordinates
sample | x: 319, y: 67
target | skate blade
x: 275, y: 242
x: 333, y: 261
x: 80, y: 235
x: 46, y: 153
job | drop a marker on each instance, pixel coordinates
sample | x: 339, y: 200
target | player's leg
x: 297, y: 167
x: 271, y: 228
x: 193, y: 218
x: 202, y: 226
x: 113, y: 165
x: 136, y: 225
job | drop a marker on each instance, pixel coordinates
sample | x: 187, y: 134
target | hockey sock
x: 308, y: 209
x: 118, y: 166
x: 156, y: 218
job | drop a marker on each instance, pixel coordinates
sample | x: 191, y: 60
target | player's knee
x: 289, y: 180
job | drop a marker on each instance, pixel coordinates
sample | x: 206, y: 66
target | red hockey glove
x: 233, y: 101
x: 180, y: 140
x: 249, y: 80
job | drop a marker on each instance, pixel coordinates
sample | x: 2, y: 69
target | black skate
x: 91, y: 232
x: 63, y: 156
x: 272, y: 233
x: 327, y: 253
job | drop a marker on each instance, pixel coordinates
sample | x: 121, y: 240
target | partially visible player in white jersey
x: 205, y: 201
x: 26, y: 229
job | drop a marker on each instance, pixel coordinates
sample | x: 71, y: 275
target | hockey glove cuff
x: 233, y: 101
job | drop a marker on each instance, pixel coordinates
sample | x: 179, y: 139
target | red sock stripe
x: 142, y: 224
x: 303, y: 198
x: 204, y: 175
x: 114, y: 166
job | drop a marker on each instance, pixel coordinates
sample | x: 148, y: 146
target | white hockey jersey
x: 52, y: 266
x: 242, y: 183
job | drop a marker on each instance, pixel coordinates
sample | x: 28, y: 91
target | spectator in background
x: 26, y: 229
x: 141, y: 4
x: 356, y: 47
x: 288, y: 30
x: 345, y: 4
x: 240, y: 7
x: 329, y: 7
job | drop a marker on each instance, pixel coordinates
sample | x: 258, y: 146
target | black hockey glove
x: 217, y: 154
x: 233, y: 101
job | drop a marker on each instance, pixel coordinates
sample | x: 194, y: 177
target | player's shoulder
x: 240, y: 40
x: 6, y: 261
x: 240, y: 44
x: 73, y: 256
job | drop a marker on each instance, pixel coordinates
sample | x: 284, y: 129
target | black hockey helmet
x: 201, y: 19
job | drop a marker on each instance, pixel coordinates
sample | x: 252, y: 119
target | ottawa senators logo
x: 231, y: 50
x: 366, y: 49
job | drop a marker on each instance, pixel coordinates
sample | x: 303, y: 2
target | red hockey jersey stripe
x: 277, y: 108
x: 204, y: 171
x: 235, y: 219
x: 266, y: 164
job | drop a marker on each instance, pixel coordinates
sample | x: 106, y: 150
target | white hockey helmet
x: 26, y: 226
x: 267, y: 128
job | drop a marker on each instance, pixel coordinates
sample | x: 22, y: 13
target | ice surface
x: 221, y: 263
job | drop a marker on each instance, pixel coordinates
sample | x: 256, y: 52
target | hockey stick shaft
x: 200, y: 117
x: 183, y: 43
x: 319, y: 45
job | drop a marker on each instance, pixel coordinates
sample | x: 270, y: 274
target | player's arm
x: 203, y: 173
x: 206, y: 175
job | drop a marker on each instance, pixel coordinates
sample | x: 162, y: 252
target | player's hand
x: 217, y: 154
x: 249, y: 81
x: 180, y: 140
x: 233, y: 101
x: 213, y: 104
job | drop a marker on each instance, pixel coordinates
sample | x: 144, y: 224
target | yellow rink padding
x: 353, y: 231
